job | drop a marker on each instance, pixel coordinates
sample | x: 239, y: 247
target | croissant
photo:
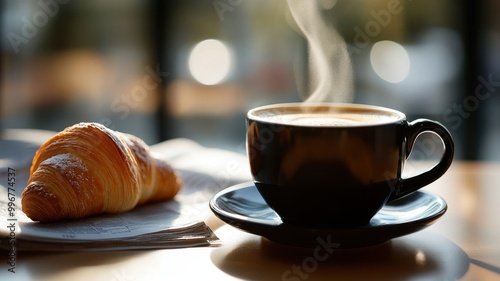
x: 88, y: 169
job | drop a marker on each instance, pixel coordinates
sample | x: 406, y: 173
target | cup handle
x: 415, y: 128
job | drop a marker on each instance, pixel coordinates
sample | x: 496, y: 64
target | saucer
x: 243, y: 207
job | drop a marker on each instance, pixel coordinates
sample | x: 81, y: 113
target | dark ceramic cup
x: 335, y: 165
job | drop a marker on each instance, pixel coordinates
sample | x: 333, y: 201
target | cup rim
x: 399, y: 116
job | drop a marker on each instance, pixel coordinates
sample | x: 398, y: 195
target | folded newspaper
x: 173, y: 224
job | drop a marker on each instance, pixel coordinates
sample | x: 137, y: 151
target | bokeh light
x: 390, y: 61
x: 210, y: 62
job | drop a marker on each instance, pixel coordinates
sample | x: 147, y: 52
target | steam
x: 330, y: 68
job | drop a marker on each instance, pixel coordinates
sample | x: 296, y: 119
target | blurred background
x: 168, y: 69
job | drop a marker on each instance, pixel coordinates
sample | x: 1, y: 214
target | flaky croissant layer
x: 88, y: 169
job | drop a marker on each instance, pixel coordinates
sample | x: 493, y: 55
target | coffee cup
x: 335, y: 165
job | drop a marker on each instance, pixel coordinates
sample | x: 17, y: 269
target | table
x: 464, y: 244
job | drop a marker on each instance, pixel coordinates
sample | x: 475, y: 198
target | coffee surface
x: 330, y: 119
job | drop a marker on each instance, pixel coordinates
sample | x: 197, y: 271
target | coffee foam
x: 330, y: 119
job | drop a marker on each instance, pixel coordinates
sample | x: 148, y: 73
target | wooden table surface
x: 464, y: 244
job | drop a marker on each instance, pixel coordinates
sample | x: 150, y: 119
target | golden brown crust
x: 88, y: 169
x: 165, y: 176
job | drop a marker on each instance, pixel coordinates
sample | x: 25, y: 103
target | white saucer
x: 243, y: 207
